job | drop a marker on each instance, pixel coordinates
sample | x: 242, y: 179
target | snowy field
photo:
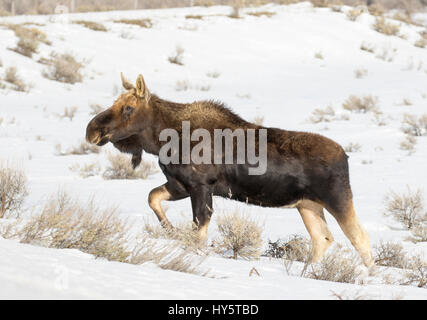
x: 281, y: 68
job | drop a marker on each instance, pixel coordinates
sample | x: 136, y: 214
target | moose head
x: 123, y: 121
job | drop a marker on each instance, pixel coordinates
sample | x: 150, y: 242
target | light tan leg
x: 358, y: 237
x: 203, y: 232
x: 314, y: 220
x: 155, y: 198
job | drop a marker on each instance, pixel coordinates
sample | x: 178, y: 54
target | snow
x: 267, y: 68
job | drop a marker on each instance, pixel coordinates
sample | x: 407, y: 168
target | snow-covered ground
x: 267, y: 67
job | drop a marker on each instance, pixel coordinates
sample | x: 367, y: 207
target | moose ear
x: 141, y: 89
x: 126, y: 83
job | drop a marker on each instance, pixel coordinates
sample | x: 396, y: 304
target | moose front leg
x: 201, y: 203
x: 169, y: 191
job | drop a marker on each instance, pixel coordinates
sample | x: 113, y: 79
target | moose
x: 304, y: 170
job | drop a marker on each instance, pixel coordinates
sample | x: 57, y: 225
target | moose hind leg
x: 314, y: 220
x: 353, y: 230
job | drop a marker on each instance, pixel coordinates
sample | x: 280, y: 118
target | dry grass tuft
x: 83, y: 148
x: 360, y: 73
x: 29, y: 39
x: 69, y: 113
x: 325, y: 3
x: 186, y: 234
x: 368, y: 47
x: 143, y: 23
x: 120, y: 167
x: 408, y: 144
x: 64, y: 223
x: 194, y: 16
x: 352, y: 147
x: 63, y: 68
x: 13, y: 189
x: 384, y: 27
x: 95, y: 109
x: 322, y: 115
x: 86, y: 170
x: 361, y: 105
x: 11, y: 76
x: 354, y: 13
x: 95, y: 26
x: 267, y: 14
x: 239, y: 234
x: 338, y: 265
x: 295, y: 248
x: 177, y: 57
x: 414, y: 126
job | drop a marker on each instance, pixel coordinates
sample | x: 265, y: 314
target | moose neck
x: 160, y: 117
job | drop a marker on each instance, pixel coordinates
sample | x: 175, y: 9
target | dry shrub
x: 95, y: 26
x: 213, y: 74
x: 13, y: 189
x: 295, y: 248
x: 421, y: 43
x: 11, y: 76
x: 185, y: 233
x: 352, y: 147
x: 376, y: 9
x: 86, y: 170
x: 63, y: 223
x: 360, y: 73
x: 337, y: 265
x: 354, y: 13
x: 235, y: 12
x: 419, y: 231
x: 318, y: 55
x: 384, y: 27
x: 267, y: 14
x: 96, y: 108
x: 417, y: 272
x: 322, y: 115
x: 403, y: 17
x: 29, y: 39
x: 194, y: 16
x: 143, y: 23
x: 325, y: 3
x: 361, y: 105
x: 63, y: 68
x: 389, y: 254
x: 120, y: 167
x: 83, y: 148
x: 368, y: 47
x: 69, y: 113
x: 182, y: 85
x: 414, y: 126
x: 239, y: 234
x: 406, y: 208
x: 178, y: 56
x: 259, y: 120
x: 408, y: 144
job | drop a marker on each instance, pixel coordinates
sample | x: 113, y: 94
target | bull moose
x: 304, y: 170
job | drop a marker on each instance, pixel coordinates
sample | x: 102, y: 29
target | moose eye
x: 128, y: 109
